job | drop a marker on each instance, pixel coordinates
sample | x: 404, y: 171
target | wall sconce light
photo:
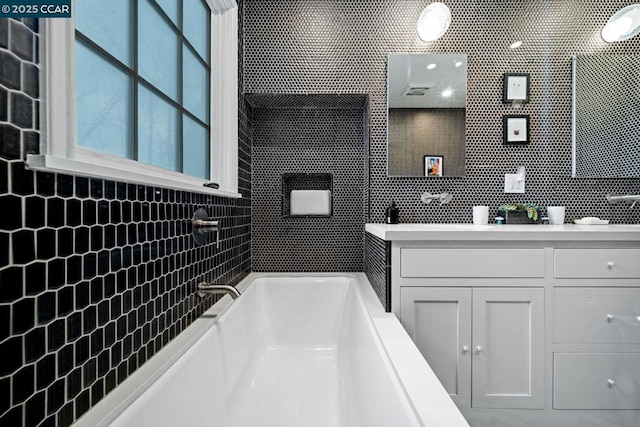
x: 623, y: 25
x: 434, y: 21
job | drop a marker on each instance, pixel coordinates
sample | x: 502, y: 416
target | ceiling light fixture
x: 431, y: 66
x: 623, y: 25
x: 515, y: 45
x: 434, y: 21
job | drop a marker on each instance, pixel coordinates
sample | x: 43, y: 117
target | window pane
x: 170, y: 7
x: 196, y: 26
x: 157, y: 50
x: 157, y: 131
x: 108, y: 24
x: 196, y: 149
x: 103, y: 109
x: 195, y: 85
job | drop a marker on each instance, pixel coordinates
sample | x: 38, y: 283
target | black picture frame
x: 515, y: 88
x: 516, y: 129
x: 429, y: 162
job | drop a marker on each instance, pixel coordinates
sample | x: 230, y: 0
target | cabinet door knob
x: 610, y: 317
x: 610, y: 265
x: 479, y: 349
x: 611, y: 382
x: 465, y: 349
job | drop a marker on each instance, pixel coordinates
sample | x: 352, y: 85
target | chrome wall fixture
x: 210, y: 289
x: 443, y: 198
x: 633, y: 198
x: 202, y: 226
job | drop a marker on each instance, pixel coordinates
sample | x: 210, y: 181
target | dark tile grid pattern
x: 96, y: 276
x: 19, y: 88
x: 377, y: 267
x: 308, y: 140
x: 341, y: 46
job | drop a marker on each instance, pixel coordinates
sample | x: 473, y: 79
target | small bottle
x: 499, y: 220
x: 391, y: 214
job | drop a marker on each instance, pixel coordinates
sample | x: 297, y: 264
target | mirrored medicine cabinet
x: 426, y: 114
x: 606, y: 116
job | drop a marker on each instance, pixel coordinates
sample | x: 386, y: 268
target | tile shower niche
x: 306, y: 184
x: 317, y: 143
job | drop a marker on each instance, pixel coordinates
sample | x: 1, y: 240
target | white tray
x: 591, y: 221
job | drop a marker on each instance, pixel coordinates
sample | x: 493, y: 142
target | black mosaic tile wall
x: 377, y: 267
x: 96, y: 276
x: 328, y: 139
x: 341, y: 46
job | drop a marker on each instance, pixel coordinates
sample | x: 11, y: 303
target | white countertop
x: 531, y: 232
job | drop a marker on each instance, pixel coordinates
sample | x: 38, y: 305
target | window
x: 150, y: 80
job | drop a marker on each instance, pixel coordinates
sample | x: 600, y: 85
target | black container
x: 391, y: 214
x: 517, y: 217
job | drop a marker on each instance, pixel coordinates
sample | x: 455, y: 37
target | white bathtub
x: 291, y: 351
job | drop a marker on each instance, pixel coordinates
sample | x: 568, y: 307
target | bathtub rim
x: 431, y: 404
x: 115, y: 402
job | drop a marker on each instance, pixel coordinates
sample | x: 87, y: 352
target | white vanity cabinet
x: 596, y: 329
x: 524, y: 325
x: 483, y: 341
x: 484, y: 344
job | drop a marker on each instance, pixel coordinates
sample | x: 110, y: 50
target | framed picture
x: 433, y: 165
x: 515, y: 129
x: 515, y: 88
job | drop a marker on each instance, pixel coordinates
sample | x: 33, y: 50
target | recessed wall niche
x: 314, y: 135
x: 321, y: 182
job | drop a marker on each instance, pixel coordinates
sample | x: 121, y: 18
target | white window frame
x: 58, y: 147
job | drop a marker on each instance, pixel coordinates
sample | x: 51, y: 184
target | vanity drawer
x: 426, y: 262
x: 596, y: 315
x: 597, y: 263
x: 596, y: 380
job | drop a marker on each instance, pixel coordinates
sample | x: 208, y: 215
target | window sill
x: 47, y: 163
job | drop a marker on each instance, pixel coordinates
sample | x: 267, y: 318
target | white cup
x: 480, y: 215
x: 556, y: 214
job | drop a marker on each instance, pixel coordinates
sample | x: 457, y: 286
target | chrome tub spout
x: 204, y: 288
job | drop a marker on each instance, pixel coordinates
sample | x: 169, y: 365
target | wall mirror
x: 426, y: 114
x: 606, y: 116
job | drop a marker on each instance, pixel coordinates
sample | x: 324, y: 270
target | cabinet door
x: 508, y: 366
x: 439, y: 322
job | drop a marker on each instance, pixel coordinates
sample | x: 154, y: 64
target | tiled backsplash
x: 96, y: 276
x: 324, y: 47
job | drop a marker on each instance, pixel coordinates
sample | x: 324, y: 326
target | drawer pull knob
x: 610, y: 265
x: 611, y: 382
x: 610, y: 317
x: 479, y: 349
x: 465, y: 349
